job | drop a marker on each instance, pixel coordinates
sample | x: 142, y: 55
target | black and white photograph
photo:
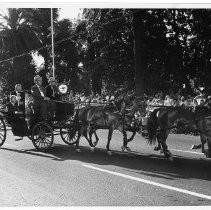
x: 105, y: 105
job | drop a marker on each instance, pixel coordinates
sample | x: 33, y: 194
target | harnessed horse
x: 107, y: 117
x: 162, y: 120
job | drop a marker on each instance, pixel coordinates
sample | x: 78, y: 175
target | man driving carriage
x: 52, y: 91
x: 41, y: 100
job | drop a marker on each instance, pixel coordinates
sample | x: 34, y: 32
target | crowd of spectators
x: 158, y: 99
x: 94, y: 99
x: 177, y: 100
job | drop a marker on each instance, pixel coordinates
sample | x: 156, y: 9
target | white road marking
x: 177, y: 150
x: 150, y: 182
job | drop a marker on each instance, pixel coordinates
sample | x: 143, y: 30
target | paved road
x: 63, y: 177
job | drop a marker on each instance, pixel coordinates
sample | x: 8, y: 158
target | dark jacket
x: 36, y: 93
x: 16, y: 120
x: 49, y: 92
x: 11, y: 109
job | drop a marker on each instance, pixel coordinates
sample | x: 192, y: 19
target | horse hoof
x: 193, y: 146
x: 170, y: 154
x: 109, y: 153
x: 78, y: 150
x: 207, y: 153
x: 171, y: 159
x: 123, y: 148
x: 92, y: 149
x: 128, y: 149
x: 156, y: 149
x: 95, y: 143
x: 161, y: 151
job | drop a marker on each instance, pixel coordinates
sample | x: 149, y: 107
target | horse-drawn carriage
x: 72, y: 119
x: 29, y: 123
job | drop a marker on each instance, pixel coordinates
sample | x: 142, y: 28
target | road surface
x: 63, y: 177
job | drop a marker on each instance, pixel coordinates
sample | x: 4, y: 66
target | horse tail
x: 152, y: 125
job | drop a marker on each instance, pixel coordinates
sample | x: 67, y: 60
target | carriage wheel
x: 42, y: 136
x: 69, y: 135
x: 3, y: 132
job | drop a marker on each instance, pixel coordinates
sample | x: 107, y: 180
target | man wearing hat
x: 39, y: 96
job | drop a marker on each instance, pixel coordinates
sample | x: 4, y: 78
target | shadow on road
x: 150, y: 165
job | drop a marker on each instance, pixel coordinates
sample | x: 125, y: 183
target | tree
x: 139, y: 51
x: 17, y: 36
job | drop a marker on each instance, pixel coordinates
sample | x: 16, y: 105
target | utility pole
x: 52, y: 40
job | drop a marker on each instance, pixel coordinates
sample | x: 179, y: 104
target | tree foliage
x: 160, y: 49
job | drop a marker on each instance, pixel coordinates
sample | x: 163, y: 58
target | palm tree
x: 18, y: 36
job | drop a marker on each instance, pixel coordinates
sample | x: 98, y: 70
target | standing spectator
x: 168, y: 101
x: 182, y: 101
x: 208, y: 102
x: 189, y: 102
x: 199, y: 99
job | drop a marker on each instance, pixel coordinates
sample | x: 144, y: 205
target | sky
x: 69, y: 12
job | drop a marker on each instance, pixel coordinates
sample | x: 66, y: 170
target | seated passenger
x: 12, y: 107
x: 40, y: 98
x: 18, y: 92
x: 14, y: 119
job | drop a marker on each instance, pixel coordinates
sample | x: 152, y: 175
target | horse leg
x: 209, y: 147
x: 86, y: 130
x: 162, y: 139
x: 158, y: 147
x: 77, y: 141
x: 110, y: 132
x: 207, y: 150
x: 96, y: 138
x: 132, y: 137
x: 125, y: 140
x: 91, y: 132
x: 203, y: 142
x: 90, y: 144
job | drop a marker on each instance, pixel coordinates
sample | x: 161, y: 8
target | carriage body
x: 28, y: 123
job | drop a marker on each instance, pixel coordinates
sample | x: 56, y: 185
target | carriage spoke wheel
x: 42, y: 136
x: 2, y: 132
x: 69, y: 135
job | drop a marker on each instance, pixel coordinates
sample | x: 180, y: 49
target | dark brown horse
x: 163, y: 120
x: 203, y: 121
x: 99, y: 117
x: 129, y: 107
x: 111, y: 117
